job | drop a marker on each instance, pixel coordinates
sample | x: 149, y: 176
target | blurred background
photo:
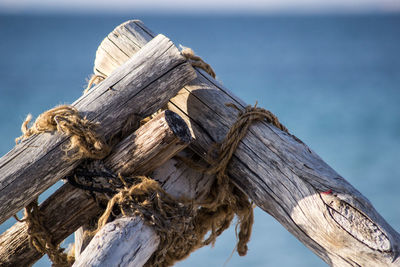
x: 329, y: 70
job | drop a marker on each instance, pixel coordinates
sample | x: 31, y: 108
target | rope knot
x: 84, y: 141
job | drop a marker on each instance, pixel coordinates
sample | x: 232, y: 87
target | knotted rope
x: 225, y: 200
x: 84, y: 141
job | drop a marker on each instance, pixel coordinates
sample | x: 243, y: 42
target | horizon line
x: 200, y: 12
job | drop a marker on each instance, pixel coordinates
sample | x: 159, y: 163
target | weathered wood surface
x: 291, y: 182
x: 69, y: 207
x: 125, y: 241
x: 143, y: 85
x: 121, y: 44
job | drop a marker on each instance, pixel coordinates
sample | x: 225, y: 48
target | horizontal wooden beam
x: 139, y: 87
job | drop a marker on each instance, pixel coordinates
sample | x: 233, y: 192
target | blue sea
x: 333, y: 80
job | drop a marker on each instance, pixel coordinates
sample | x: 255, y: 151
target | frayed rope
x: 65, y: 119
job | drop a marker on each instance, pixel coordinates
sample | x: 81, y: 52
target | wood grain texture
x: 284, y: 177
x: 121, y: 44
x: 155, y: 142
x: 123, y: 242
x: 139, y: 87
x: 69, y: 207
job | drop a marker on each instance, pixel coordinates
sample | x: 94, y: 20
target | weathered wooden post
x: 288, y: 180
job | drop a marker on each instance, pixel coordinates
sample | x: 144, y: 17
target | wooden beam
x: 285, y: 178
x: 139, y: 87
x: 70, y: 207
x: 127, y: 241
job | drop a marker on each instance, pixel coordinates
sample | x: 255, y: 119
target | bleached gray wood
x: 139, y: 87
x: 68, y: 208
x: 123, y: 242
x: 181, y: 181
x: 288, y: 180
x: 121, y: 44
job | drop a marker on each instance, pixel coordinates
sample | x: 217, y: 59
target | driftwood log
x: 70, y: 207
x: 143, y: 85
x: 126, y: 241
x: 288, y: 180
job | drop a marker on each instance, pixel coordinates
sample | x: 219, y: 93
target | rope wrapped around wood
x: 171, y: 218
x: 40, y: 237
x: 84, y: 142
x: 183, y: 224
x: 225, y: 200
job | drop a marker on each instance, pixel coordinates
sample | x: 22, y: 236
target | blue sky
x: 197, y: 6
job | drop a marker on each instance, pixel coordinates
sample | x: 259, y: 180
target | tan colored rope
x: 197, y: 61
x: 224, y: 193
x: 170, y: 217
x: 40, y: 237
x: 65, y: 119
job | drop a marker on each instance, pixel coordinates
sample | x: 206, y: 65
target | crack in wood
x: 357, y: 224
